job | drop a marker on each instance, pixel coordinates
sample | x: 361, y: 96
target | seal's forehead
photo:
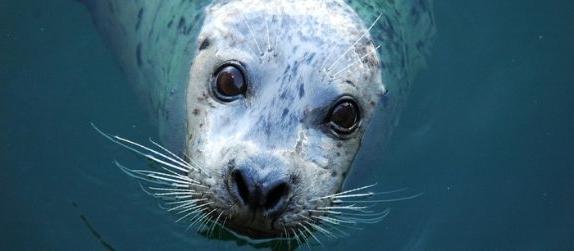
x: 311, y: 20
x: 328, y: 35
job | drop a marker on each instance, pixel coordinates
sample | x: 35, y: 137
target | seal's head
x: 278, y: 99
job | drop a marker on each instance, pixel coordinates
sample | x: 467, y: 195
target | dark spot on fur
x: 349, y: 82
x: 139, y: 54
x: 285, y: 112
x: 339, y: 144
x: 283, y: 94
x: 204, y: 44
x: 295, y: 67
x: 181, y: 23
x: 201, y: 125
x: 372, y: 103
x: 140, y: 15
x: 334, y: 174
x: 310, y: 58
x: 420, y: 45
x: 338, y: 154
x: 182, y: 26
x: 286, y: 70
x: 294, y: 179
x: 195, y: 111
x: 301, y: 90
x: 111, y: 7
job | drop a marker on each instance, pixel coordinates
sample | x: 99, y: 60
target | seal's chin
x: 255, y: 233
x: 255, y: 225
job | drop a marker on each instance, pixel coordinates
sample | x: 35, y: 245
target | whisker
x: 355, y: 43
x: 223, y: 226
x: 320, y: 229
x: 180, y: 161
x: 192, y: 207
x: 305, y: 238
x: 296, y: 237
x: 310, y: 233
x: 195, y: 210
x: 345, y: 192
x: 356, y: 62
x: 163, y: 176
x: 333, y: 220
x: 369, y: 194
x: 128, y: 145
x: 252, y: 34
x: 185, y: 204
x: 203, y: 223
x: 214, y: 223
x: 361, y: 214
x: 156, y: 180
x: 169, y: 189
x: 351, y: 207
x: 195, y: 218
x: 268, y: 34
x: 325, y: 211
x: 336, y: 226
x: 175, y: 194
x: 287, y: 238
x: 381, y: 200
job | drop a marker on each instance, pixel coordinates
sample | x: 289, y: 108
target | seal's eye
x: 344, y: 117
x: 229, y: 83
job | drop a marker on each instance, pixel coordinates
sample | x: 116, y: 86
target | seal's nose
x: 269, y: 194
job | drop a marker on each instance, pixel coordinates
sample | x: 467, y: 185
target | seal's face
x: 278, y: 100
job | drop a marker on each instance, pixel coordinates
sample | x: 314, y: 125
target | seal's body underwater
x: 264, y: 102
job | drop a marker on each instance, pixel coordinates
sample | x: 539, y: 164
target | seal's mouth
x: 255, y: 233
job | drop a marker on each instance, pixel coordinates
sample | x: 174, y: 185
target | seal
x: 261, y: 105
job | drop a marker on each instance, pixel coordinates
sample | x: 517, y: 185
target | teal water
x: 487, y: 136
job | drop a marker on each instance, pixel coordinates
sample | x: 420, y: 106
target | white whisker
x: 268, y: 34
x: 322, y: 230
x: 356, y: 62
x: 252, y: 34
x: 214, y: 223
x: 169, y: 189
x: 351, y: 207
x: 345, y: 192
x: 355, y: 43
x: 192, y: 207
x: 205, y: 220
x: 195, y: 218
x: 156, y: 180
x: 296, y: 237
x: 194, y: 210
x: 333, y: 220
x: 181, y: 161
x: 325, y: 211
x: 185, y: 204
x: 175, y: 162
x: 379, y: 201
x: 175, y: 194
x: 310, y: 233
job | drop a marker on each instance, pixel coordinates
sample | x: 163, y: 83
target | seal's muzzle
x: 259, y: 186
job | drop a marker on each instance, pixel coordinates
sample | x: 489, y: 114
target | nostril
x: 276, y: 195
x: 241, y: 185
